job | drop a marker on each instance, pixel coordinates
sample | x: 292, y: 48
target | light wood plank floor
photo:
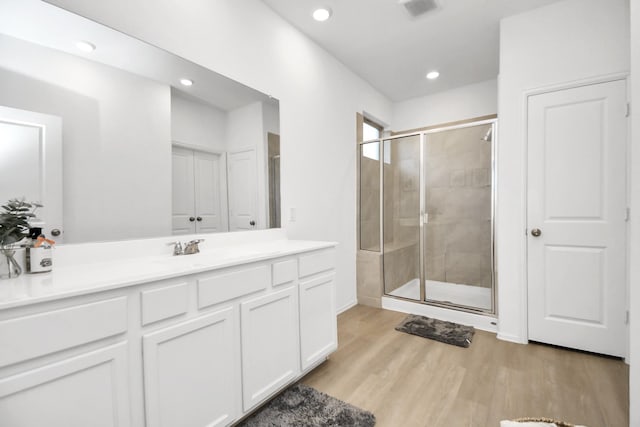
x: 411, y: 381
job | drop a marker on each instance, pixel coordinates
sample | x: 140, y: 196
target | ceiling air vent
x: 418, y: 7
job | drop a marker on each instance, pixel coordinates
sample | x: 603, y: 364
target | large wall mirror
x: 120, y: 139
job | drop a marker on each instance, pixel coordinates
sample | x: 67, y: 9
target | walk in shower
x: 426, y: 204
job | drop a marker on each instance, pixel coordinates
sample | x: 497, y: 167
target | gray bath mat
x: 439, y: 330
x: 303, y: 406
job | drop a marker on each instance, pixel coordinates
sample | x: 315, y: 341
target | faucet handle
x: 192, y: 247
x: 177, y: 248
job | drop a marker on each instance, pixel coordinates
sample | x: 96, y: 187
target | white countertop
x: 90, y: 277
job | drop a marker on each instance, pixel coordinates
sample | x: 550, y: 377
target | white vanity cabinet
x: 201, y: 348
x: 318, y: 327
x: 318, y: 331
x: 190, y: 372
x: 270, y: 345
x: 57, y: 370
x: 90, y: 389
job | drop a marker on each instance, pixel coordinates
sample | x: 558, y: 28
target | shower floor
x: 466, y: 295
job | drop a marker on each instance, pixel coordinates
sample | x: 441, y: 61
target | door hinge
x: 626, y: 318
x: 627, y: 214
x: 628, y: 113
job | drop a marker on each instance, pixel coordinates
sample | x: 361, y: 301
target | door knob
x: 536, y: 232
x: 199, y: 218
x: 191, y: 219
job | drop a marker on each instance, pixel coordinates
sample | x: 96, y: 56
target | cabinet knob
x: 536, y: 232
x: 191, y: 219
x: 199, y: 218
x: 252, y: 223
x: 55, y: 232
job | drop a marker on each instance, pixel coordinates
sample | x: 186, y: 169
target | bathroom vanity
x: 125, y: 334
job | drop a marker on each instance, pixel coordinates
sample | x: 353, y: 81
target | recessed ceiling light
x: 432, y: 75
x: 85, y: 46
x: 322, y: 14
x: 186, y: 82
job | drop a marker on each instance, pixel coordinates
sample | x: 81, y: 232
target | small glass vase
x: 9, y: 267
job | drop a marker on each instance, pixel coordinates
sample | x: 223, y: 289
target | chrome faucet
x: 177, y: 248
x: 189, y: 248
x: 192, y: 247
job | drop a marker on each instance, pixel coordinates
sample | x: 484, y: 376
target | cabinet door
x: 86, y: 390
x: 318, y: 328
x: 269, y: 344
x: 190, y: 372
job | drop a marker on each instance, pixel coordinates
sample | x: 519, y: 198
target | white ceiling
x: 53, y: 27
x: 380, y: 42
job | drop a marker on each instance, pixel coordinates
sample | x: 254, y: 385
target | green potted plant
x: 14, y: 226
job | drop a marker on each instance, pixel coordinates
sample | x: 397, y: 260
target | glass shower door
x: 401, y: 213
x: 458, y: 244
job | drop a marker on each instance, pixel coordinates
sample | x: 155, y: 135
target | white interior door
x: 577, y: 209
x: 182, y: 192
x: 31, y: 158
x: 243, y: 190
x: 208, y: 206
x: 198, y: 192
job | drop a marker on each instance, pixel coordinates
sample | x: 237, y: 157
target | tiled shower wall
x: 458, y: 201
x: 369, y: 204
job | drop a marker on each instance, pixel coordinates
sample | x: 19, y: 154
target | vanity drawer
x: 317, y: 262
x: 165, y: 302
x: 24, y: 338
x: 220, y: 287
x: 284, y: 272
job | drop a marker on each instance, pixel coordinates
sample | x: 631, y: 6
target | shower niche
x: 434, y: 214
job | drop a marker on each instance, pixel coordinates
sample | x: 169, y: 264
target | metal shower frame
x: 423, y: 139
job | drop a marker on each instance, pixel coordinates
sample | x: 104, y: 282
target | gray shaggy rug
x: 439, y: 330
x: 303, y: 406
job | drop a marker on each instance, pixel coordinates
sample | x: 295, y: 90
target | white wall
x: 271, y: 117
x: 113, y: 188
x: 197, y: 124
x: 564, y: 42
x: 466, y: 102
x: 319, y: 96
x: 634, y: 239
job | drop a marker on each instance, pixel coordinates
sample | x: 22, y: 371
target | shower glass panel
x: 401, y: 213
x: 370, y: 196
x: 458, y: 248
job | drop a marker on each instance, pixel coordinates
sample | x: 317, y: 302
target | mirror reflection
x: 119, y: 139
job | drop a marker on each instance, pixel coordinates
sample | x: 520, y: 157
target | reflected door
x: 198, y: 201
x: 576, y: 217
x: 243, y: 190
x: 273, y: 151
x: 31, y: 165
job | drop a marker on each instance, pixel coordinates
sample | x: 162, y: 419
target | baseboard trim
x: 510, y: 338
x: 479, y: 321
x: 347, y: 307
